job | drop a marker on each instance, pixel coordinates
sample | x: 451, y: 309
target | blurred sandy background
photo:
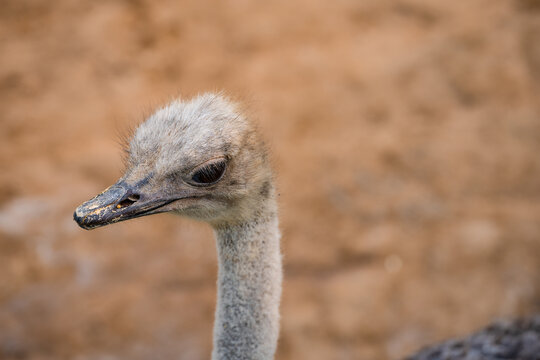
x: 405, y: 136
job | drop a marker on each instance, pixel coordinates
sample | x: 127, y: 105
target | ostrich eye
x: 209, y: 173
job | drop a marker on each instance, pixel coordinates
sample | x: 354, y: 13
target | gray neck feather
x: 249, y: 289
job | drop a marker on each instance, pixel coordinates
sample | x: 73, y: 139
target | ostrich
x: 203, y: 159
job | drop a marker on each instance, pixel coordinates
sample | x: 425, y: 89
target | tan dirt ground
x: 406, y: 141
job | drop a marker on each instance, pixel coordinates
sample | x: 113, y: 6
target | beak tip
x: 79, y: 219
x: 82, y: 218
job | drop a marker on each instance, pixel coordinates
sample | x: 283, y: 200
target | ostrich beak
x: 118, y: 203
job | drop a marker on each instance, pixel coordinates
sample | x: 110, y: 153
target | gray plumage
x: 249, y: 286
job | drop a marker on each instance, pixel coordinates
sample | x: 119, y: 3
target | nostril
x: 134, y: 197
x: 131, y: 199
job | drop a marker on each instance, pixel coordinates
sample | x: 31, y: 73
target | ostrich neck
x: 249, y: 288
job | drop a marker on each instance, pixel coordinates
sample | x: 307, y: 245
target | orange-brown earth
x: 406, y: 141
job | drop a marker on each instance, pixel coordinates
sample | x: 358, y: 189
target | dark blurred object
x: 518, y: 339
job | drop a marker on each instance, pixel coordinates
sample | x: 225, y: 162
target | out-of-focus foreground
x: 406, y: 141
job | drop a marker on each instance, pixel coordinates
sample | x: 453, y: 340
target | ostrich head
x: 201, y: 159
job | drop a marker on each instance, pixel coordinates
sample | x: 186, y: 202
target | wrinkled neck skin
x: 249, y: 288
